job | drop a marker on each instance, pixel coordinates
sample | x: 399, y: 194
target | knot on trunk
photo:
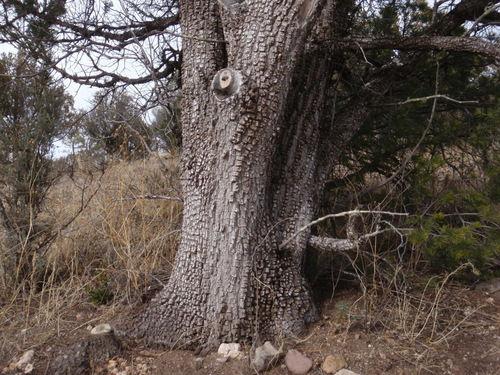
x: 226, y: 83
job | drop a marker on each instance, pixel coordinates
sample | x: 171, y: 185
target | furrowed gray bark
x: 230, y: 281
x: 256, y: 155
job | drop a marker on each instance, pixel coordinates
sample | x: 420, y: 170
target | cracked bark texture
x: 255, y: 161
x: 248, y: 173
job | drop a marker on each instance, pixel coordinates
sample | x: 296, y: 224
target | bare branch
x: 340, y: 214
x: 341, y: 244
x: 423, y: 43
x: 485, y: 15
x: 147, y: 196
x: 437, y: 96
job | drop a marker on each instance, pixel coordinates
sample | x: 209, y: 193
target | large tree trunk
x: 250, y: 163
x: 256, y: 155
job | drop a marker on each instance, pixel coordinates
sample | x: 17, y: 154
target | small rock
x: 25, y: 359
x: 198, y: 363
x: 28, y: 369
x: 449, y: 362
x: 490, y: 286
x: 297, y: 363
x: 231, y: 350
x: 265, y: 356
x: 101, y: 329
x: 345, y: 372
x: 333, y: 363
x: 222, y: 359
x: 357, y: 336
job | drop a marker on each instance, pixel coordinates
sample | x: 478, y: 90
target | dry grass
x: 413, y: 311
x: 124, y: 238
x: 123, y: 231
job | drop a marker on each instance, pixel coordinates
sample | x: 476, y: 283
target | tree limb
x: 340, y: 214
x: 423, y: 43
x: 341, y: 244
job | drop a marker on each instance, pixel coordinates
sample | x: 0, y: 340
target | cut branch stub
x: 103, y: 345
x: 225, y: 83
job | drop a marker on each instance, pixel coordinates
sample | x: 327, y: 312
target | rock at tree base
x: 22, y: 366
x: 230, y: 350
x: 333, y: 363
x: 297, y: 363
x: 345, y: 372
x: 265, y: 356
x: 198, y: 363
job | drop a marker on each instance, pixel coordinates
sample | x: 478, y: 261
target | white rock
x: 101, y: 329
x: 198, y: 363
x: 270, y: 349
x: 345, y: 372
x: 28, y: 369
x: 25, y: 359
x: 222, y: 359
x: 231, y: 350
x: 265, y: 356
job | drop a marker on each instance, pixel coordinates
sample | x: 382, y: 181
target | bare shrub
x: 119, y: 230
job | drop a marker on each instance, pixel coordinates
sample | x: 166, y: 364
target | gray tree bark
x: 249, y: 166
x: 256, y: 155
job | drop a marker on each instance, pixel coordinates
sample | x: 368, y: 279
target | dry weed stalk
x: 391, y: 297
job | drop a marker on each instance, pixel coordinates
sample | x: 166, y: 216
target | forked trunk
x: 251, y: 172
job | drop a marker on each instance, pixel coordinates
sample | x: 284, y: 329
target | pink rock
x: 297, y: 363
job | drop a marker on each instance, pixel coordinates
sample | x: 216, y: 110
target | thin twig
x: 147, y: 196
x: 486, y: 12
x: 363, y: 52
x: 436, y: 96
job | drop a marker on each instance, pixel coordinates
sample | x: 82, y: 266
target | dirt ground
x: 472, y: 346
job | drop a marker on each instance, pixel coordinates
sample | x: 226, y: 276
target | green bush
x: 464, y: 228
x: 97, y: 288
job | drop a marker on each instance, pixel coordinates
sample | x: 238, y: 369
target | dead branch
x: 423, y: 43
x: 340, y: 214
